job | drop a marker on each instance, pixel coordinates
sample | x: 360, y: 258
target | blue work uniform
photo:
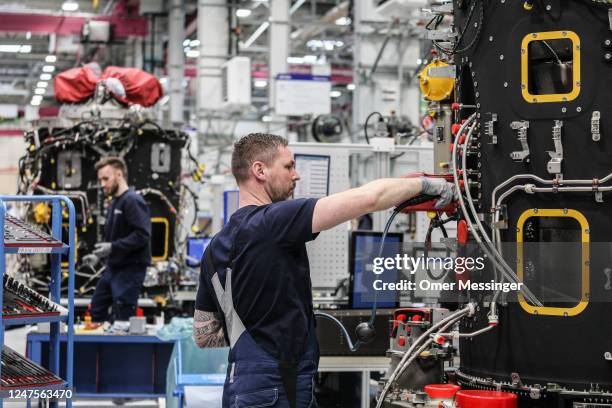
x: 255, y: 272
x: 128, y: 229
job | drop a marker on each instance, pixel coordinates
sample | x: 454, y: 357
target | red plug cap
x: 455, y: 128
x: 401, y: 341
x: 455, y: 106
x: 462, y: 139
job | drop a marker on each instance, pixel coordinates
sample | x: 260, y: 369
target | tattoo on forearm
x: 208, y: 329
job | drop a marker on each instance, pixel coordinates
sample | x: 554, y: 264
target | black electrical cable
x: 365, y: 126
x: 365, y: 331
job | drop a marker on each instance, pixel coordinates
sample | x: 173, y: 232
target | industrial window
x: 553, y: 260
x: 550, y: 67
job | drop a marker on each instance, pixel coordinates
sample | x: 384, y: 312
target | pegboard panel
x: 328, y: 254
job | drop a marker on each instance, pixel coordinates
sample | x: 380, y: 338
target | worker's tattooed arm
x: 208, y: 329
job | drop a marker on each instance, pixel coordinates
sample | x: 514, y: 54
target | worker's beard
x: 278, y: 193
x: 113, y: 189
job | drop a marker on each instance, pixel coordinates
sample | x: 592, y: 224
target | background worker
x: 126, y: 246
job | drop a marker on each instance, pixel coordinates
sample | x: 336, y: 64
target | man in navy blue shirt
x: 127, y: 247
x: 255, y: 289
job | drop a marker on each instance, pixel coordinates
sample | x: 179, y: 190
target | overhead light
x: 45, y: 77
x: 310, y: 59
x: 28, y: 35
x: 295, y: 60
x: 192, y: 54
x: 186, y: 42
x: 10, y: 47
x: 343, y: 21
x: 242, y: 13
x: 70, y: 5
x: 335, y: 94
x: 48, y: 68
x: 35, y: 102
x: 50, y: 59
x: 194, y: 43
x: 40, y: 91
x: 42, y: 84
x: 350, y: 87
x: 25, y: 49
x: 260, y: 83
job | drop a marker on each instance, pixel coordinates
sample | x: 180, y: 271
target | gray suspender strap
x: 233, y: 324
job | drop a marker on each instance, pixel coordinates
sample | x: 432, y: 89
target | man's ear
x: 258, y: 170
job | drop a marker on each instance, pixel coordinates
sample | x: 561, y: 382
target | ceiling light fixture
x: 70, y: 5
x: 42, y: 84
x: 40, y: 91
x: 45, y: 77
x: 242, y: 13
x: 50, y: 59
x: 48, y: 68
x: 335, y: 94
x: 260, y: 83
x: 10, y: 47
x: 350, y: 87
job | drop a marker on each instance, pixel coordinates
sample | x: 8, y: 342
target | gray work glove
x: 438, y: 187
x: 90, y: 259
x: 102, y: 249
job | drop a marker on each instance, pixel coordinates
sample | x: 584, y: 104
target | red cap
x: 401, y: 341
x: 455, y: 106
x: 441, y: 390
x: 416, y: 318
x: 139, y: 312
x: 485, y: 399
x: 401, y: 317
x: 462, y: 139
x: 455, y: 128
x: 462, y: 232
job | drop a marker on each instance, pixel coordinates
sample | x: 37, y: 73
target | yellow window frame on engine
x: 543, y: 36
x: 584, y: 227
x: 166, y: 223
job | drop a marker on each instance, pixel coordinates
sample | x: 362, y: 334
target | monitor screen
x: 363, y: 249
x: 195, y: 250
x: 314, y: 176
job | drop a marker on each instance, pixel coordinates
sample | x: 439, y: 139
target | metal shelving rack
x: 54, y: 289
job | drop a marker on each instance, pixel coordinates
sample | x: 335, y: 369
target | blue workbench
x: 111, y: 365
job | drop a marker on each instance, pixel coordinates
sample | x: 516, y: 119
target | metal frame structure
x: 54, y: 290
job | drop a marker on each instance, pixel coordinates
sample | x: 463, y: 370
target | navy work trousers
x: 119, y: 289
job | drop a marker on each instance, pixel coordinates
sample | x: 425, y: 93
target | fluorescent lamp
x: 260, y: 83
x: 242, y: 13
x: 343, y: 21
x: 45, y: 77
x: 194, y: 43
x: 310, y: 59
x: 70, y: 5
x: 350, y: 87
x: 335, y: 94
x: 50, y: 59
x: 37, y: 97
x: 40, y: 91
x: 192, y: 54
x: 10, y: 48
x: 186, y: 42
x: 36, y: 102
x: 295, y: 60
x: 48, y: 68
x: 42, y: 84
x: 25, y: 49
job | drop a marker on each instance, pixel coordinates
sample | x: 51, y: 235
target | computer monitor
x: 364, y: 247
x: 195, y: 249
x: 314, y: 175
